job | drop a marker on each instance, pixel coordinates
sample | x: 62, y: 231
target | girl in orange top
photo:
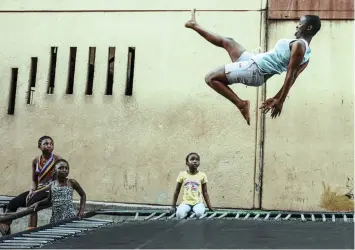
x: 42, y: 175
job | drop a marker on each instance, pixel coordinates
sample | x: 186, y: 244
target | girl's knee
x: 180, y: 214
x: 199, y: 210
x: 199, y: 213
x: 182, y: 210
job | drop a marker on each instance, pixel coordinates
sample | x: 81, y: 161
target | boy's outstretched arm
x: 275, y: 104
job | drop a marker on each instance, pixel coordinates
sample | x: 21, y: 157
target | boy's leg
x: 234, y: 49
x: 217, y: 80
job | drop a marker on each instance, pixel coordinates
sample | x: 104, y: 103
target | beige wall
x: 131, y: 5
x: 313, y: 140
x: 131, y: 149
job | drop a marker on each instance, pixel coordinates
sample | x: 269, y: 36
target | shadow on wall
x: 333, y: 201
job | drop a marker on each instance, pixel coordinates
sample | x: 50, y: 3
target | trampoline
x: 142, y: 229
x: 202, y: 234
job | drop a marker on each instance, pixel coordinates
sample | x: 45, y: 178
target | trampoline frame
x: 163, y: 215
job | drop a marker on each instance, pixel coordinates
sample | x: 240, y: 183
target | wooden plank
x: 325, y: 9
x: 324, y: 15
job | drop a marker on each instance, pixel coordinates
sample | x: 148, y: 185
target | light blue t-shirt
x: 276, y: 61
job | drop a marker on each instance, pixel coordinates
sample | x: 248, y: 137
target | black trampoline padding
x: 215, y: 234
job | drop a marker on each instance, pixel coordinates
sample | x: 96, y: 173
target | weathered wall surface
x: 39, y: 5
x: 129, y: 149
x: 313, y: 140
x: 326, y: 10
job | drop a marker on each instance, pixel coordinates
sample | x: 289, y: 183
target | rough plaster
x: 313, y: 139
x: 130, y: 149
x: 131, y: 5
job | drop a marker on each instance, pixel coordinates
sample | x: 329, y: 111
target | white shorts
x: 183, y: 209
x: 244, y: 71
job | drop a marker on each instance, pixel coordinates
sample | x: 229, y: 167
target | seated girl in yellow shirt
x: 195, y: 184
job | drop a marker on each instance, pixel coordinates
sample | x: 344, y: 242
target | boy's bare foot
x: 192, y: 22
x: 245, y: 110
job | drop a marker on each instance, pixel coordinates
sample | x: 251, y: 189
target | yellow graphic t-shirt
x: 192, y: 185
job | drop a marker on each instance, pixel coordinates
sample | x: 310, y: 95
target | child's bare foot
x: 4, y: 229
x: 245, y: 110
x: 192, y: 22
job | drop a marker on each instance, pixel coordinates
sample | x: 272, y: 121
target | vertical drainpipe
x: 262, y: 116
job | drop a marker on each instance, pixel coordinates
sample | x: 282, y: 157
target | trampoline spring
x: 171, y: 216
x: 246, y: 216
x: 89, y: 222
x: 42, y: 236
x: 267, y: 216
x: 97, y: 220
x: 288, y: 217
x: 64, y: 230
x: 203, y: 216
x: 313, y: 218
x: 17, y: 246
x: 27, y: 241
x: 213, y: 215
x: 223, y: 215
x: 277, y: 217
x: 160, y: 216
x: 20, y: 244
x: 51, y: 235
x: 256, y: 216
x: 136, y: 217
x: 150, y: 216
x: 67, y: 227
x: 333, y: 217
x: 184, y: 216
x: 303, y: 218
x: 237, y: 216
x: 324, y: 218
x: 345, y: 218
x: 80, y: 226
x: 14, y: 247
x: 32, y: 239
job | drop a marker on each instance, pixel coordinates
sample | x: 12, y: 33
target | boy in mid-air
x: 289, y: 55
